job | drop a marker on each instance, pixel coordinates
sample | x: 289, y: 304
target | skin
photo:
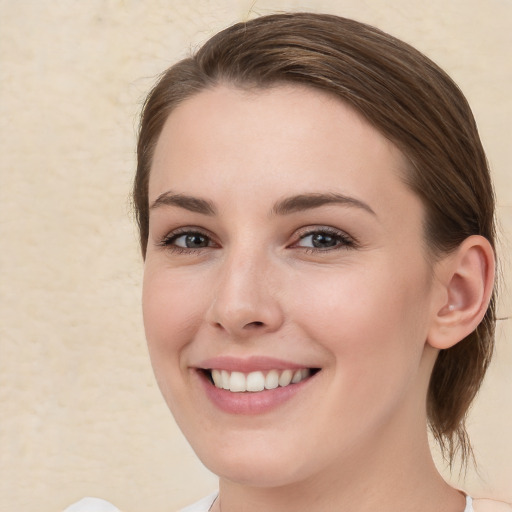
x: 363, y: 310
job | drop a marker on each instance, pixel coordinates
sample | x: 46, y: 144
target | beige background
x: 80, y: 412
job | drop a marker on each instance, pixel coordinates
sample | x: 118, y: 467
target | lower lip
x: 250, y: 403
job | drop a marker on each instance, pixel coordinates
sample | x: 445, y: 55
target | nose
x: 246, y: 298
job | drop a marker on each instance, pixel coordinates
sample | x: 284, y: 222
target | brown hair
x: 405, y: 96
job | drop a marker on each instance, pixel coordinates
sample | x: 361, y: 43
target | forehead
x: 285, y: 139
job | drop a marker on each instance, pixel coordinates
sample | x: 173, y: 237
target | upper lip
x: 249, y: 364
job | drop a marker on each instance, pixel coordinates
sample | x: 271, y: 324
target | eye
x: 191, y: 241
x: 187, y: 241
x: 324, y: 239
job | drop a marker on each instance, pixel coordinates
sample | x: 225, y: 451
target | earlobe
x: 467, y: 280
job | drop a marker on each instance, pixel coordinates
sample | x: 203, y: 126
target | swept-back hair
x: 408, y: 99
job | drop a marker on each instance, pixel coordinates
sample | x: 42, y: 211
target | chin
x: 263, y: 472
x: 255, y: 459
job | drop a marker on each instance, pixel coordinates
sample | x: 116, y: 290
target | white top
x: 92, y: 505
x: 204, y: 505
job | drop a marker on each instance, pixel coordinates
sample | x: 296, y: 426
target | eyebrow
x: 315, y: 200
x: 286, y: 206
x: 193, y: 204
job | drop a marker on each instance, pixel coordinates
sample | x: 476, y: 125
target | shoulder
x: 92, y: 505
x: 484, y: 505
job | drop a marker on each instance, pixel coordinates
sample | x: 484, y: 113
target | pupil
x: 195, y: 241
x: 323, y: 240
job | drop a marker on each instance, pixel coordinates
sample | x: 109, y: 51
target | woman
x: 317, y: 222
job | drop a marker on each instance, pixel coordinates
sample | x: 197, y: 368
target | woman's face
x: 284, y: 245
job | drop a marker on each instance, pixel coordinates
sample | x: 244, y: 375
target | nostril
x: 254, y: 324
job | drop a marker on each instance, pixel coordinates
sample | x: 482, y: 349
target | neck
x: 389, y: 475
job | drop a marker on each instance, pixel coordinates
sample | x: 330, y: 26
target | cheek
x: 172, y: 313
x: 170, y: 316
x: 373, y: 322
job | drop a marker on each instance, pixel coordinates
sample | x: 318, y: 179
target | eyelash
x: 343, y: 241
x: 169, y: 240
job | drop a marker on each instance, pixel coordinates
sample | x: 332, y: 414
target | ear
x: 466, y: 280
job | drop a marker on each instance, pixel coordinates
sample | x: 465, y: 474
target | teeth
x: 255, y: 382
x: 225, y: 379
x: 297, y: 376
x: 272, y: 379
x: 238, y: 382
x: 217, y: 378
x: 285, y: 378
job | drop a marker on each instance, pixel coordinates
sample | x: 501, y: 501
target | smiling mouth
x: 254, y: 382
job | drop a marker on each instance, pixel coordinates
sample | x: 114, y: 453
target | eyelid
x: 168, y: 238
x: 347, y: 240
